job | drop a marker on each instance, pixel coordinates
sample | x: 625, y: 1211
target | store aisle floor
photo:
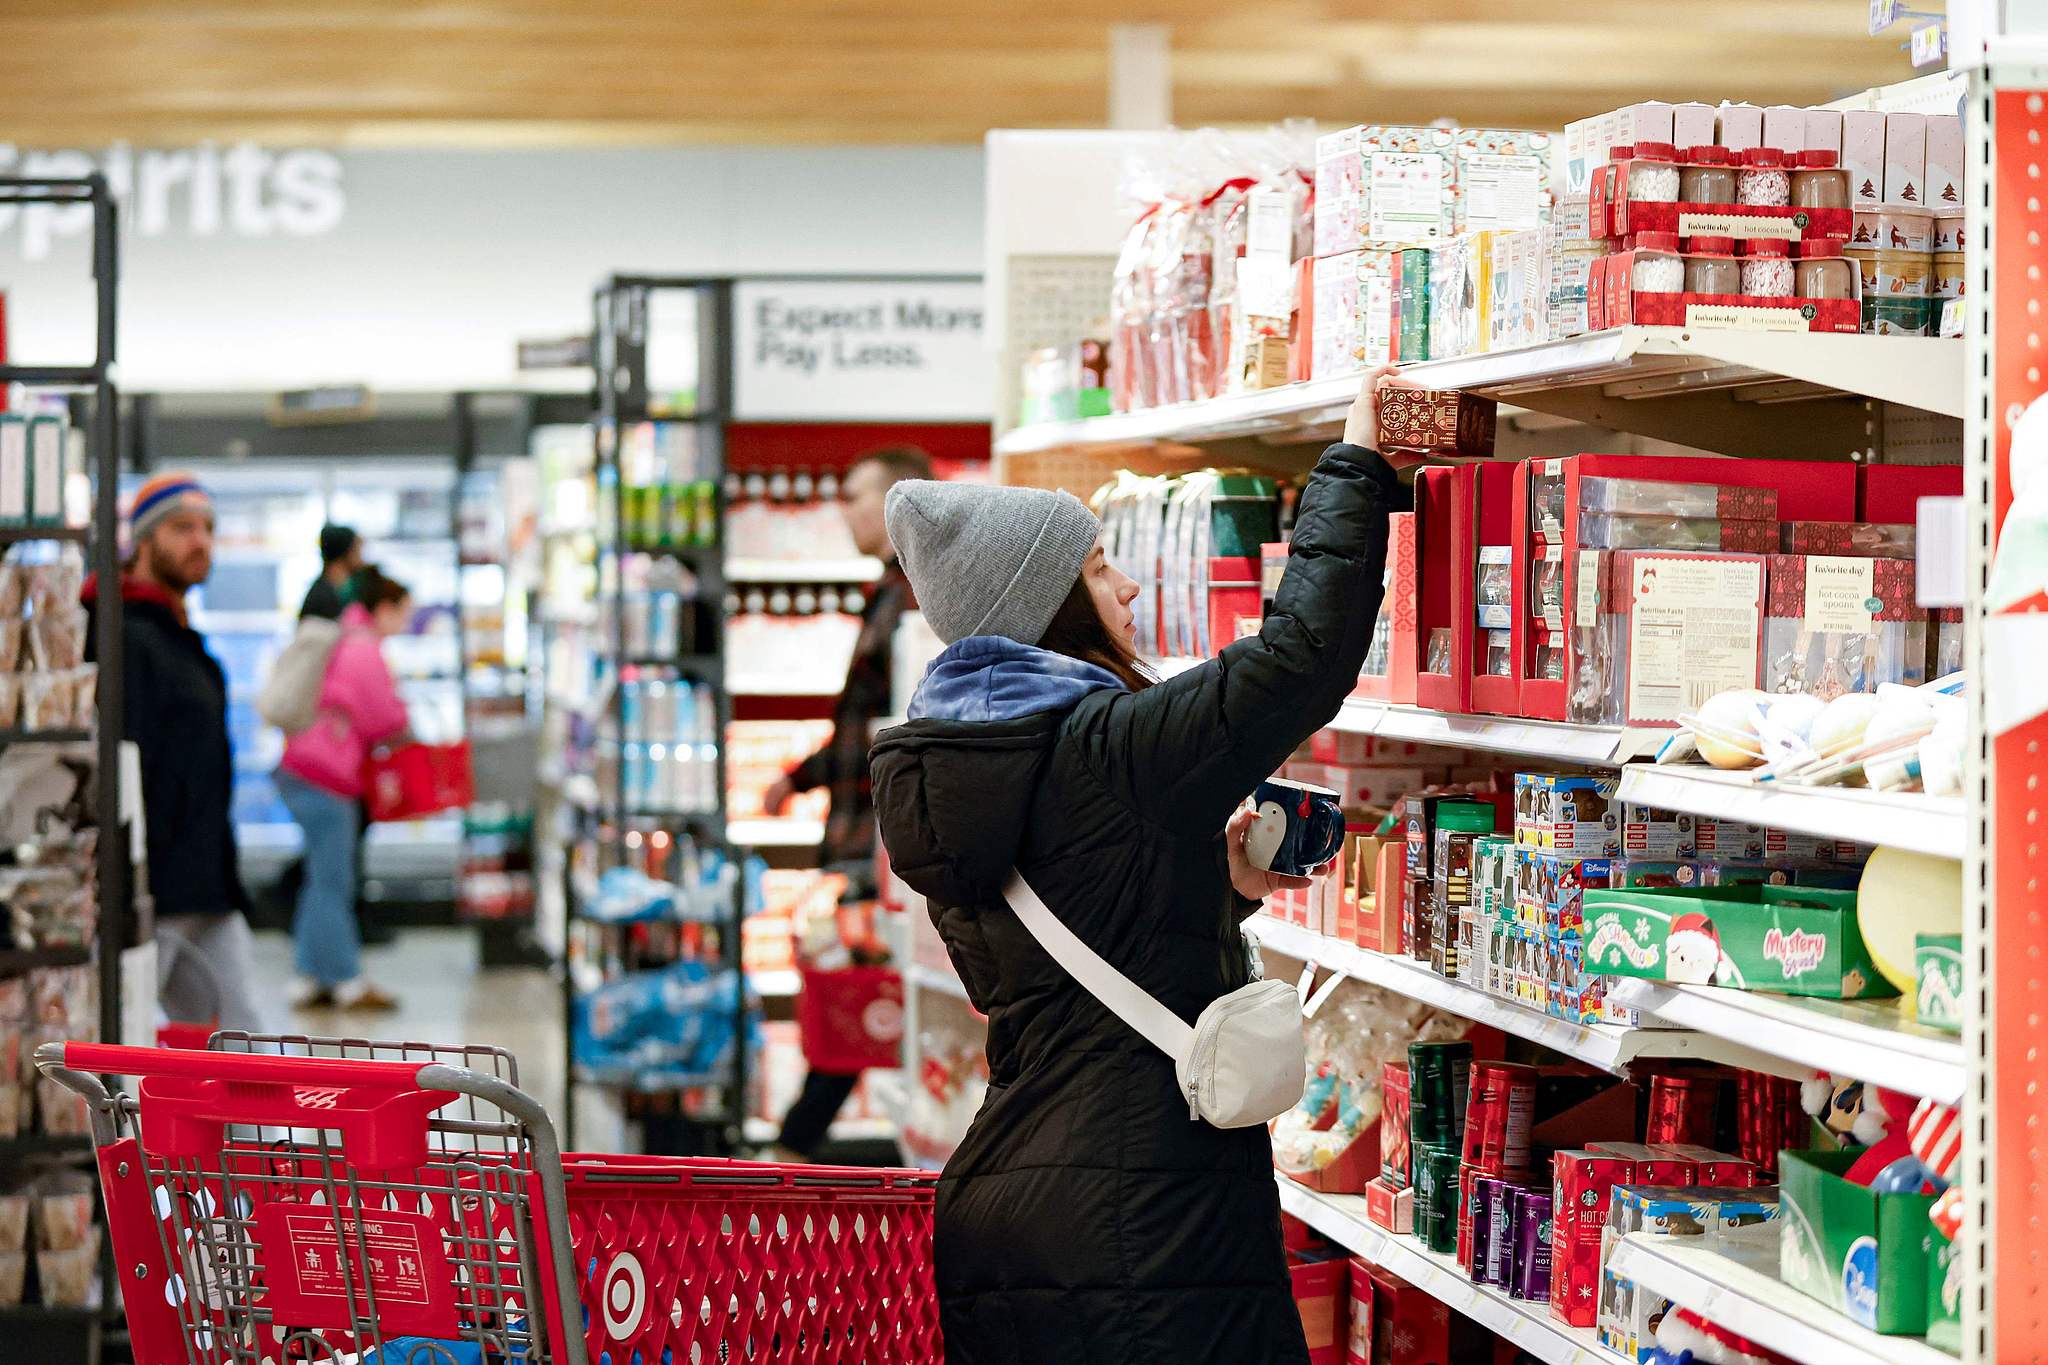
x: 445, y: 997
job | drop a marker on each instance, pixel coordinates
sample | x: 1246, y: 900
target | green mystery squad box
x: 1864, y: 1255
x: 1794, y: 940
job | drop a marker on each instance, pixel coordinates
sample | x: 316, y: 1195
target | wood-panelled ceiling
x: 595, y: 72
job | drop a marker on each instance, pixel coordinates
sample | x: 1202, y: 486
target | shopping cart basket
x: 389, y: 1204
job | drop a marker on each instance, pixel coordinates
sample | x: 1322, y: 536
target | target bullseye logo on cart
x: 625, y: 1296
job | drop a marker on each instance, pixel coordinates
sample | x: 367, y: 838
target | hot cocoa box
x: 1793, y: 940
x: 1436, y: 421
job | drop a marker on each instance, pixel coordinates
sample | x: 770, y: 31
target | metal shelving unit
x: 48, y: 1332
x: 1741, y: 393
x: 623, y: 399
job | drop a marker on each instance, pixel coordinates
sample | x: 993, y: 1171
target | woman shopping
x: 1086, y: 1217
x: 321, y: 781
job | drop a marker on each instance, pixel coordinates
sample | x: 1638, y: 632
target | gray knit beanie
x: 989, y: 561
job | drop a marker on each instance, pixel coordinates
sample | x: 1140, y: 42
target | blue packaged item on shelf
x: 626, y: 895
x: 672, y: 1026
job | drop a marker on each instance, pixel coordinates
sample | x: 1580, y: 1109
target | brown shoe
x: 364, y: 998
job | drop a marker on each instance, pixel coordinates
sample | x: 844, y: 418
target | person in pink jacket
x: 321, y: 782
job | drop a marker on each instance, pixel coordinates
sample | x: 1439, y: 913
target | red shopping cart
x: 286, y: 1200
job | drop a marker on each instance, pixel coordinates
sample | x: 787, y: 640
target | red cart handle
x: 189, y: 1097
x: 114, y: 1059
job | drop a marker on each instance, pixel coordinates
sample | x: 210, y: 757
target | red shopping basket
x: 851, y: 1019
x: 313, y: 1208
x: 417, y: 779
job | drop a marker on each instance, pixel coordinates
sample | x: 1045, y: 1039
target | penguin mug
x: 1298, y: 829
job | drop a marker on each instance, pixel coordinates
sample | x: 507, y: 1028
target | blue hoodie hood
x: 991, y: 677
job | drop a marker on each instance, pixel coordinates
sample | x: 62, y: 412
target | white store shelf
x: 1525, y: 1323
x: 1729, y: 387
x: 1607, y: 1046
x: 1910, y: 820
x: 1759, y: 1306
x: 1871, y: 1040
x: 860, y: 569
x: 762, y: 1131
x: 769, y: 686
x: 781, y: 833
x: 1561, y: 740
x: 775, y: 985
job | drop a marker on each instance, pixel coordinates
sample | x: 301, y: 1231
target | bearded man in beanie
x: 176, y: 715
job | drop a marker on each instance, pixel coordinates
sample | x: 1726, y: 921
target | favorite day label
x: 1840, y: 594
x: 1735, y: 317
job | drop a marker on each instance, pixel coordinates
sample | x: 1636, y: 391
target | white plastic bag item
x: 1243, y: 1063
x: 290, y: 698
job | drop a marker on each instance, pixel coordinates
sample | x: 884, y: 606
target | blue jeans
x: 324, y: 933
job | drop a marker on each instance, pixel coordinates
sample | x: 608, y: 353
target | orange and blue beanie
x: 165, y: 493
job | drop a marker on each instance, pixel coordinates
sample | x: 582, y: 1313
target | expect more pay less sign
x: 864, y: 350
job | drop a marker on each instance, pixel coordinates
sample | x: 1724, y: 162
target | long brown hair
x: 1077, y: 631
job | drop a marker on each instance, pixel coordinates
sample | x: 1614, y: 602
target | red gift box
x: 1804, y: 490
x: 1493, y: 523
x: 1358, y: 1331
x: 1444, y: 600
x: 1403, y: 642
x: 1715, y: 1170
x: 1653, y: 1165
x: 1390, y: 1208
x: 417, y: 779
x: 1321, y: 1296
x: 1410, y: 1327
x: 1892, y: 492
x: 1235, y: 608
x: 851, y: 1019
x: 1582, y: 1186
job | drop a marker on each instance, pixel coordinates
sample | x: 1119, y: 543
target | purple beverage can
x: 1531, y: 1276
x: 1495, y: 1266
x: 1488, y: 1193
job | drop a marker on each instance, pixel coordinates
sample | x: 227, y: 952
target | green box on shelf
x: 1938, y: 992
x: 1794, y: 940
x: 1864, y: 1255
x: 1944, y: 1293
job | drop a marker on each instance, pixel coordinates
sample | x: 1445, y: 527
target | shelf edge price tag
x: 1930, y: 44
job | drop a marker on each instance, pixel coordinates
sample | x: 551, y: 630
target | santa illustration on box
x: 1692, y: 952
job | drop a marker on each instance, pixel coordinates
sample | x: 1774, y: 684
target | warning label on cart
x: 333, y: 1269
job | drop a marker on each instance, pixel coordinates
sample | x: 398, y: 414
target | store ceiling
x: 597, y: 72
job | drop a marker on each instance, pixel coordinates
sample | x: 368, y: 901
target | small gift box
x: 1436, y: 421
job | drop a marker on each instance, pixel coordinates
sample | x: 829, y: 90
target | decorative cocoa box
x: 1437, y: 421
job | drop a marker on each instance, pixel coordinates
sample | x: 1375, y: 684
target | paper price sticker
x: 1883, y: 14
x: 1588, y: 597
x: 1930, y: 44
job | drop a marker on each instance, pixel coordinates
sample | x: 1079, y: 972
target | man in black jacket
x: 176, y: 714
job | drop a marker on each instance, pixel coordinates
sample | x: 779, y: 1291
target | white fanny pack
x: 1244, y: 1061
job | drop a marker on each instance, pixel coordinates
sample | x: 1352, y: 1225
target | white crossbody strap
x: 1154, y: 1022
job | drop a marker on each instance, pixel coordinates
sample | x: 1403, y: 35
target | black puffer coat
x: 1085, y: 1219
